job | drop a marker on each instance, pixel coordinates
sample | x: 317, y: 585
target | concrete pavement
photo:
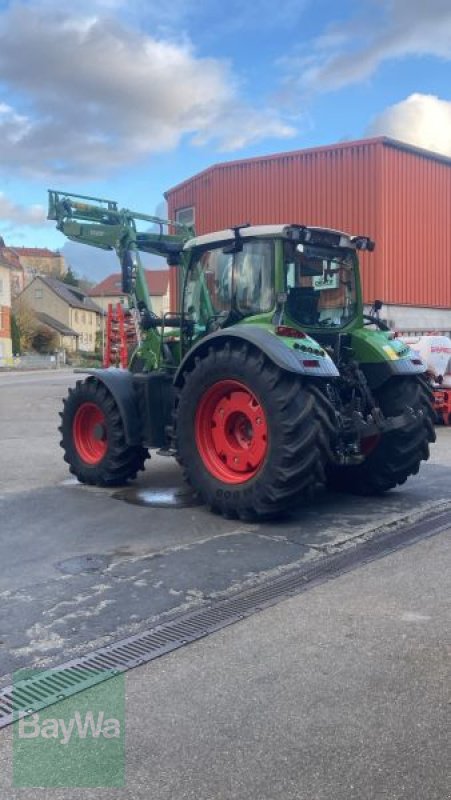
x: 341, y: 693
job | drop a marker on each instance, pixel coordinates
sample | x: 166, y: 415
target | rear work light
x: 286, y: 330
x: 363, y: 243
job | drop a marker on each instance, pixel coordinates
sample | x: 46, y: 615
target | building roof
x: 58, y: 326
x: 37, y: 252
x: 384, y: 140
x: 9, y: 257
x: 70, y: 294
x: 157, y: 284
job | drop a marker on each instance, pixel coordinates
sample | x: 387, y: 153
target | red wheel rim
x: 369, y: 444
x: 89, y: 433
x: 231, y: 432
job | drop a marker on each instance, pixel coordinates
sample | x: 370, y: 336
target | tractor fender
x: 272, y: 346
x: 379, y: 373
x: 119, y: 383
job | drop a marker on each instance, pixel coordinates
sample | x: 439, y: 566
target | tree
x: 15, y: 336
x: 85, y: 284
x: 71, y: 277
x: 44, y: 340
x: 26, y: 323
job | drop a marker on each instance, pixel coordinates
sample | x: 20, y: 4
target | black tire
x: 399, y: 453
x: 297, y: 446
x: 120, y: 462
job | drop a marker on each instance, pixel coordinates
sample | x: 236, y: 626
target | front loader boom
x: 101, y: 223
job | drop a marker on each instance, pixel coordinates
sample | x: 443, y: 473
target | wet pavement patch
x: 80, y: 564
x: 159, y: 498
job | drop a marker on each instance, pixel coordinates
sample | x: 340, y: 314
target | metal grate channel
x: 48, y: 687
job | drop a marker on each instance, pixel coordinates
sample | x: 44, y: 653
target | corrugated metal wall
x: 416, y: 228
x: 398, y: 196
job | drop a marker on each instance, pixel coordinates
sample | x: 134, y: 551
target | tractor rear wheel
x: 93, y: 437
x: 398, y: 454
x: 251, y: 438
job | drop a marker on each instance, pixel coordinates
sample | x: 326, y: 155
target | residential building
x: 41, y: 261
x: 109, y: 291
x: 67, y: 306
x: 67, y: 338
x: 8, y: 256
x: 5, y: 313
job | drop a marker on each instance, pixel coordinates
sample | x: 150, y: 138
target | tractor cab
x: 306, y: 278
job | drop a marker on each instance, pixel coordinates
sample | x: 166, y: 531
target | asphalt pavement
x: 338, y: 693
x: 341, y: 693
x: 81, y: 567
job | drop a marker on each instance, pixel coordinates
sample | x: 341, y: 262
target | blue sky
x: 126, y: 98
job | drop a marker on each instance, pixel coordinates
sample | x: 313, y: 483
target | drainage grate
x: 45, y: 688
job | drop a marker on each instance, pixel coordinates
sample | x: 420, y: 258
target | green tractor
x: 267, y: 383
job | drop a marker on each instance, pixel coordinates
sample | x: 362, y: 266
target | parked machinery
x: 435, y: 351
x: 266, y: 383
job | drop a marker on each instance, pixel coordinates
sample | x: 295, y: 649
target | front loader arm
x: 100, y: 223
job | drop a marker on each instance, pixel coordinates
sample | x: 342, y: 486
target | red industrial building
x: 397, y: 194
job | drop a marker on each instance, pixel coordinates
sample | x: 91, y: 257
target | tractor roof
x: 319, y: 235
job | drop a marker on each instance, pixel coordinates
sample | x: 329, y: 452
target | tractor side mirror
x: 237, y: 245
x: 173, y: 260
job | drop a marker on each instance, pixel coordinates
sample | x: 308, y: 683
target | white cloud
x: 241, y: 126
x: 423, y: 120
x: 96, y: 94
x: 350, y: 52
x: 13, y: 214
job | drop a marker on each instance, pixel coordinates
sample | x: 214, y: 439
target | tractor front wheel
x: 250, y: 437
x: 93, y: 437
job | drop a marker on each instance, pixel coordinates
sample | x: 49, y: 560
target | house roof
x: 71, y: 294
x: 157, y: 284
x: 38, y: 252
x: 9, y: 257
x: 58, y: 326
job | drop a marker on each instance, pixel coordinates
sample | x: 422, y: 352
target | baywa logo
x: 83, y: 727
x: 78, y: 742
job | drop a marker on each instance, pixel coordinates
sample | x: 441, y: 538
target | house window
x: 83, y: 317
x: 185, y: 216
x: 76, y: 316
x: 38, y: 294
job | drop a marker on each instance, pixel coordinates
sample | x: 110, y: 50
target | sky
x: 124, y: 99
